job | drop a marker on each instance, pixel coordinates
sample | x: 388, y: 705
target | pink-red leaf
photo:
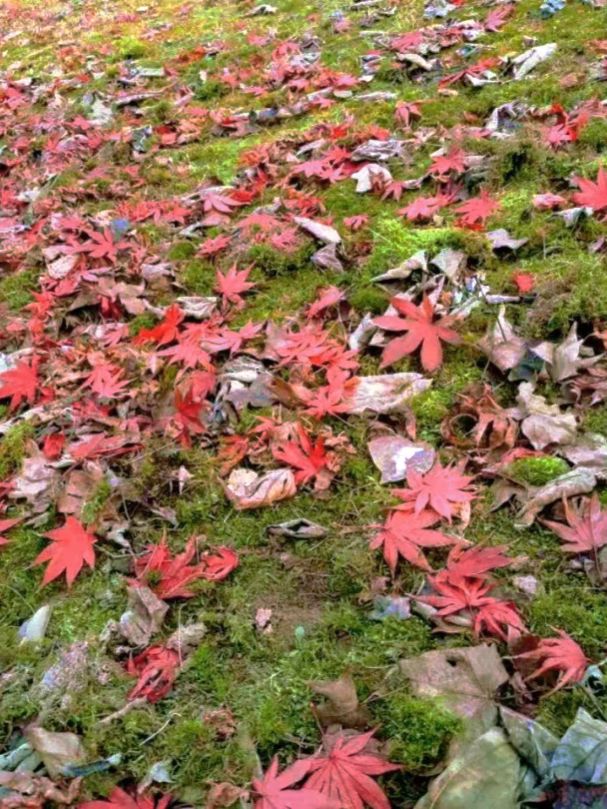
x: 71, y: 548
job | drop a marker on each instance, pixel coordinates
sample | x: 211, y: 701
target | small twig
x: 136, y: 703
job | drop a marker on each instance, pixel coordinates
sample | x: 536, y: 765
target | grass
x: 319, y: 591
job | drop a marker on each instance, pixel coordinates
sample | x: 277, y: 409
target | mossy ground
x: 318, y: 591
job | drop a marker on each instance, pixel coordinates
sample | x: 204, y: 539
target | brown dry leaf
x: 187, y: 638
x: 394, y: 456
x: 38, y: 481
x: 342, y: 706
x: 28, y: 791
x: 504, y: 348
x: 324, y: 233
x: 571, y: 484
x: 247, y: 489
x: 144, y: 616
x: 544, y: 424
x: 55, y: 749
x: 563, y: 360
x: 223, y: 795
x: 79, y: 487
x: 385, y: 393
x: 465, y: 679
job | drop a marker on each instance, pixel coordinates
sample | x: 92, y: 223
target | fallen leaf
x: 342, y: 706
x: 247, y: 489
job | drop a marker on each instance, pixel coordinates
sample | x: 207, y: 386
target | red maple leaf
x: 560, y: 654
x: 422, y: 330
x: 6, y: 525
x: 466, y: 563
x: 327, y: 298
x: 497, y: 17
x: 72, y: 547
x: 442, y: 488
x: 405, y: 110
x: 20, y: 383
x: 157, y: 668
x: 306, y: 456
x: 169, y: 576
x: 213, y: 246
x: 524, y: 282
x: 593, y: 194
x: 453, y: 161
x: 119, y: 799
x: 53, y: 446
x: 165, y: 332
x: 231, y: 285
x: 474, y: 212
x: 102, y: 245
x: 500, y: 619
x: 586, y: 529
x: 424, y: 208
x: 357, y: 222
x: 274, y: 789
x: 343, y: 772
x: 106, y: 380
x: 406, y: 533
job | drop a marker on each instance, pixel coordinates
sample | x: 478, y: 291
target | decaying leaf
x: 342, y: 706
x: 247, y: 489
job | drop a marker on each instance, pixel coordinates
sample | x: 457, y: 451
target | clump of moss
x: 181, y: 250
x: 94, y: 505
x: 16, y: 289
x: 577, y: 610
x: 12, y: 448
x: 146, y: 320
x: 537, y: 471
x: 275, y: 262
x: 210, y: 89
x: 394, y: 242
x: 130, y: 48
x: 419, y: 730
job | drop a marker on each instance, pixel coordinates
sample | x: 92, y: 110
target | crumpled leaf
x: 571, y: 484
x: 143, y: 617
x: 248, y: 489
x: 501, y: 239
x: 504, y: 348
x: 394, y: 456
x: 385, y: 393
x: 532, y: 741
x: 324, y: 233
x: 29, y: 791
x: 300, y: 528
x: 485, y: 774
x: 582, y: 752
x: 465, y: 679
x: 342, y: 706
x: 527, y: 61
x: 544, y: 424
x: 223, y: 795
x: 55, y: 749
x: 563, y: 360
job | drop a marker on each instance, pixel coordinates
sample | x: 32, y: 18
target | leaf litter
x: 258, y: 264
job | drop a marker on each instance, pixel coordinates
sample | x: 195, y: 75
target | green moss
x: 146, y: 320
x: 537, y: 471
x: 394, y: 242
x: 198, y: 276
x: 595, y: 420
x: 419, y: 730
x: 210, y: 89
x: 16, y: 289
x: 12, y: 448
x: 181, y: 250
x: 575, y: 608
x: 129, y: 47
x: 94, y: 505
x: 278, y: 263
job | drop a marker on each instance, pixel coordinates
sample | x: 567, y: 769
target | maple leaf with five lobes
x: 102, y: 245
x: 406, y: 533
x: 475, y: 211
x: 106, y: 380
x: 231, y: 285
x: 476, y: 562
x: 343, y: 772
x: 119, y: 799
x: 453, y: 161
x: 422, y: 208
x: 560, y: 654
x: 157, y: 668
x: 306, y: 456
x: 442, y: 488
x: 71, y: 547
x: 593, y: 194
x: 422, y: 330
x: 274, y: 789
x: 586, y: 529
x: 20, y: 383
x: 165, y: 332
